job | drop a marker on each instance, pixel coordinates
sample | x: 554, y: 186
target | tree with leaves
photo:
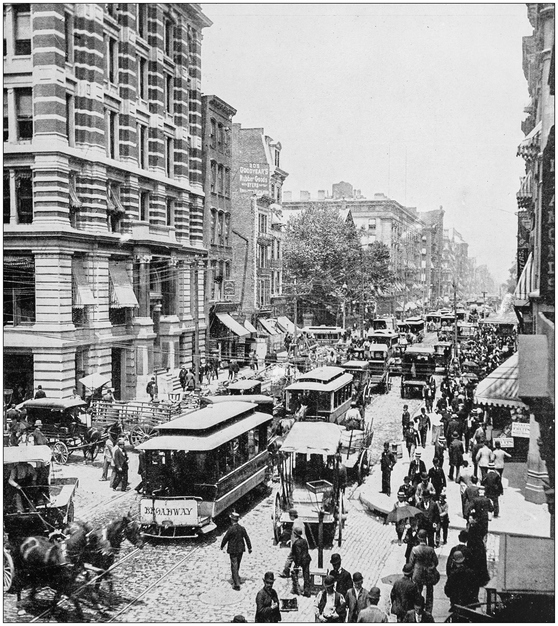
x: 325, y: 266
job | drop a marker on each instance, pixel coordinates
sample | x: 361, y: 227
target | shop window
x: 24, y: 113
x: 22, y: 29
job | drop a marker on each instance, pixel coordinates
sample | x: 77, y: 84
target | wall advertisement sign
x: 254, y: 178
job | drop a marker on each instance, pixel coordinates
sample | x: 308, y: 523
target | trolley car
x: 309, y: 481
x: 324, y: 394
x: 199, y: 465
x: 417, y: 366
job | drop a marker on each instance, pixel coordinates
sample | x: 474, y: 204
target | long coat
x: 403, y: 594
x: 424, y: 561
x: 235, y: 538
x: 264, y: 613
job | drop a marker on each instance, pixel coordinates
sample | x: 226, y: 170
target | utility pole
x: 295, y: 321
x: 455, y: 344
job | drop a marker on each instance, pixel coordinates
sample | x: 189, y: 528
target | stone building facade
x: 103, y: 193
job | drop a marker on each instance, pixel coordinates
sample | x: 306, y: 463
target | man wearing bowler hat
x: 235, y: 539
x: 38, y: 438
x: 343, y: 580
x: 356, y: 598
x: 372, y: 613
x: 403, y: 593
x: 267, y: 602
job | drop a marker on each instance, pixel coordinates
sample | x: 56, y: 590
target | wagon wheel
x: 141, y: 433
x: 276, y: 519
x: 9, y: 570
x: 60, y: 452
x: 363, y: 467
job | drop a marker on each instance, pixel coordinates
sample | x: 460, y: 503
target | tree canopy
x: 325, y: 265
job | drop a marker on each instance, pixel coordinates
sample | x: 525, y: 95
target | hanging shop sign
x: 521, y: 429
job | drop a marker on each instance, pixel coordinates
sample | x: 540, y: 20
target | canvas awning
x: 83, y: 296
x: 524, y: 285
x: 27, y: 262
x: 121, y: 290
x: 529, y: 147
x: 250, y: 327
x: 268, y: 326
x: 286, y: 324
x: 232, y: 324
x: 501, y: 387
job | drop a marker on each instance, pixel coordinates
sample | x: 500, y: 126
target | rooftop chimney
x: 305, y: 196
x: 321, y: 194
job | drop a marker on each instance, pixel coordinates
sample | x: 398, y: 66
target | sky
x: 421, y: 102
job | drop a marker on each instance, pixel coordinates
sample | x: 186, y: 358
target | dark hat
x: 455, y: 435
x: 422, y: 534
x: 297, y: 531
x: 293, y: 512
x: 407, y: 568
x: 424, y: 476
x: 269, y: 576
x: 386, y: 444
x: 458, y: 557
x: 374, y: 592
x: 239, y: 619
x: 329, y: 581
x: 335, y: 558
x: 357, y: 576
x: 234, y: 515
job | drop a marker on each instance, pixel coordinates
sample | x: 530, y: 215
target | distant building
x: 257, y: 188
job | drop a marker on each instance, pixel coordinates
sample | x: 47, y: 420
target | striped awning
x: 530, y: 146
x: 232, y: 324
x: 268, y: 326
x: 83, y: 296
x: 19, y: 261
x: 121, y: 290
x: 525, y: 284
x: 501, y: 387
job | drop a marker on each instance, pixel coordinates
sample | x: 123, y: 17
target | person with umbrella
x: 399, y: 515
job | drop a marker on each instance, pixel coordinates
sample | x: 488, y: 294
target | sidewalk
x: 516, y: 514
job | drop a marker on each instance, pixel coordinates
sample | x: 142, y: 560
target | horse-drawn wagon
x: 35, y: 502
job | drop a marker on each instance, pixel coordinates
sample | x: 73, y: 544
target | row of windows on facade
x: 23, y: 129
x: 266, y: 255
x: 20, y: 299
x: 18, y: 202
x: 220, y: 179
x: 18, y: 34
x: 219, y: 271
x: 219, y: 136
x: 220, y: 228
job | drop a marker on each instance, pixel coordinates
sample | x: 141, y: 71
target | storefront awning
x: 286, y: 324
x: 121, y: 291
x: 501, y: 387
x: 525, y: 284
x: 529, y: 147
x: 268, y: 326
x: 83, y: 296
x: 232, y: 324
x: 250, y: 327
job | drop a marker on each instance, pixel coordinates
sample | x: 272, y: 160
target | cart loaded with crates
x: 136, y: 420
x: 43, y: 503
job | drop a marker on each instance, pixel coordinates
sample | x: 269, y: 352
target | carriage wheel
x: 363, y: 467
x: 141, y: 433
x: 276, y: 519
x: 60, y: 453
x: 9, y: 571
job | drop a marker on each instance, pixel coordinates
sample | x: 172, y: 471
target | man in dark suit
x: 492, y: 486
x: 235, y: 539
x: 418, y: 614
x: 403, y: 593
x: 430, y: 518
x: 120, y: 469
x: 343, y: 580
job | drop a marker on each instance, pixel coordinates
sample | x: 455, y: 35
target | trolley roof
x: 205, y: 441
x: 27, y: 454
x: 209, y: 417
x: 323, y: 374
x: 313, y: 385
x: 52, y: 403
x: 355, y: 365
x: 383, y: 333
x: 313, y: 438
x: 253, y: 397
x: 426, y: 350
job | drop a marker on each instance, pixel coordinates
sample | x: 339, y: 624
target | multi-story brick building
x: 257, y: 192
x: 103, y: 195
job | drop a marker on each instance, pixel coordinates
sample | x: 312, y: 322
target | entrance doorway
x: 18, y: 376
x: 117, y: 354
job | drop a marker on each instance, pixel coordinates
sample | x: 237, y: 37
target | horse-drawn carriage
x: 65, y: 425
x: 35, y: 502
x: 309, y: 463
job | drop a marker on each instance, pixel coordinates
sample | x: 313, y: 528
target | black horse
x: 104, y: 543
x: 53, y: 563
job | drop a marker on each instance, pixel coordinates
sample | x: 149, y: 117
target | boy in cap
x: 403, y: 593
x: 329, y: 605
x: 297, y: 523
x: 372, y: 614
x: 343, y: 580
x: 267, y: 602
x: 235, y: 538
x: 356, y: 598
